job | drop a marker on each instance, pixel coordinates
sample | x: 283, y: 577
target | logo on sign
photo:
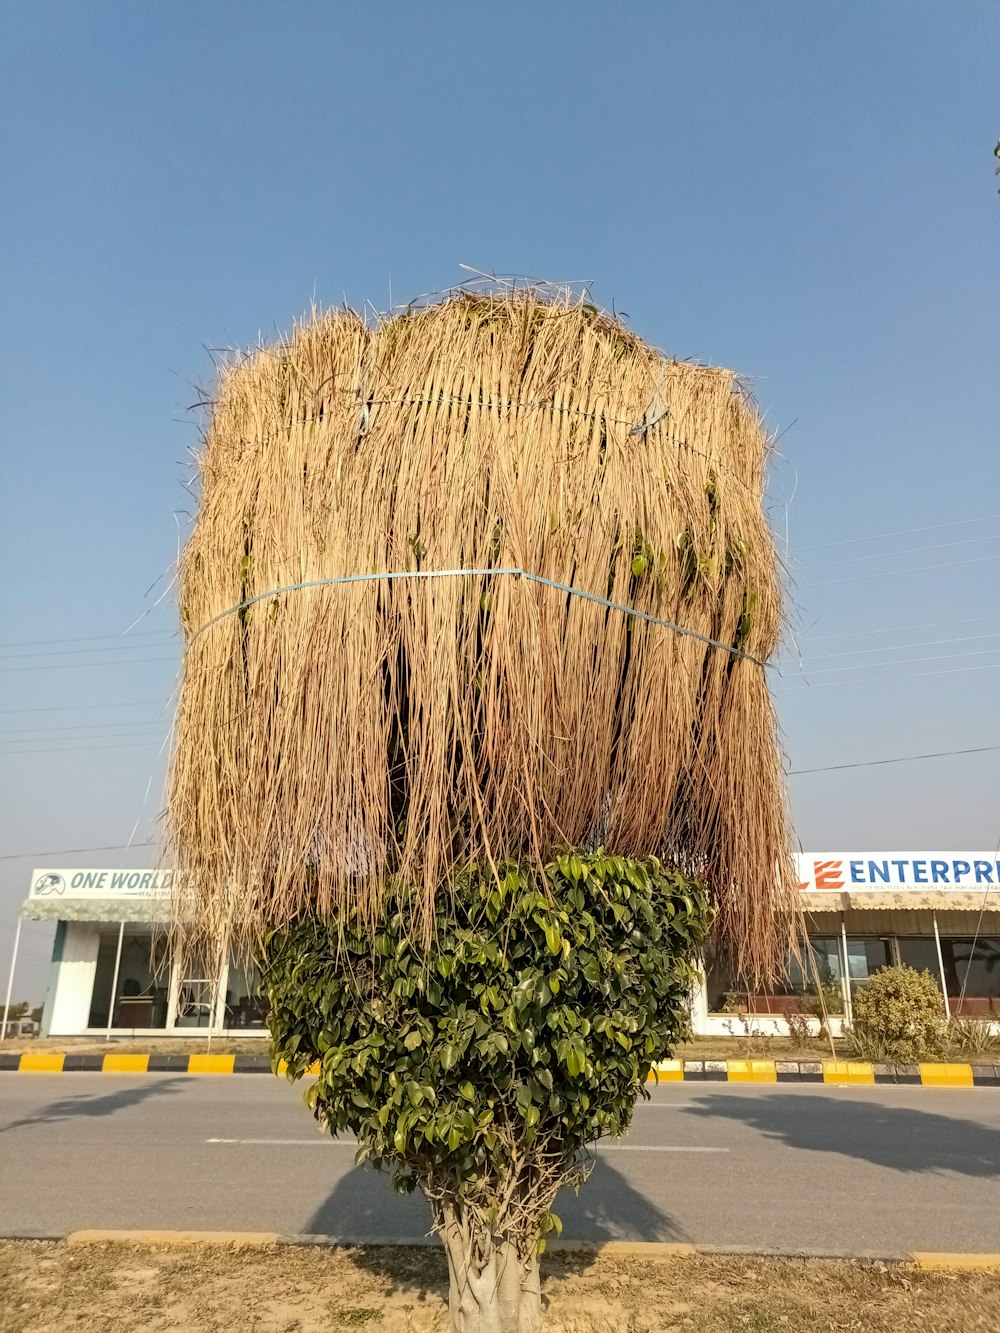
x: 51, y: 883
x: 828, y: 874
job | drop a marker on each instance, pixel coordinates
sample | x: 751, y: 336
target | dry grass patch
x: 45, y: 1288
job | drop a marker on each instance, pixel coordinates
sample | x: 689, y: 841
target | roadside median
x: 839, y: 1072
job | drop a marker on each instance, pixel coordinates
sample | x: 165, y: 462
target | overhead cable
x: 916, y: 569
x: 902, y: 532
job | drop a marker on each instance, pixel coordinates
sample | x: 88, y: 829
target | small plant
x: 899, y: 1016
x: 750, y: 1031
x: 799, y: 1028
x: 973, y: 1036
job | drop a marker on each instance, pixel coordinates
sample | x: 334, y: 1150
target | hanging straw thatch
x: 332, y: 735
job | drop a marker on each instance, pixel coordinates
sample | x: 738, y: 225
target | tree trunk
x: 492, y: 1292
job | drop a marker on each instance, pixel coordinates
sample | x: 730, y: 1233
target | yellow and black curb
x: 840, y: 1072
x: 929, y: 1261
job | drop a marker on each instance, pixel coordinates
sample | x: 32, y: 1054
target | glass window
x: 920, y: 951
x: 140, y: 999
x: 195, y: 999
x: 972, y: 965
x: 246, y: 1002
x: 826, y: 953
x: 979, y: 962
x: 865, y: 956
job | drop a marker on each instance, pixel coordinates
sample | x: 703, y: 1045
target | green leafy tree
x: 480, y: 1070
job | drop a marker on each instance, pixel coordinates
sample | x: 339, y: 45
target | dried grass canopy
x: 331, y: 736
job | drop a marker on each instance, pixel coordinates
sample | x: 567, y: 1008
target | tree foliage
x: 481, y: 1068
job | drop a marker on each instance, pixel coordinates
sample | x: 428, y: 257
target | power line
x: 906, y: 661
x: 80, y: 708
x: 109, y: 648
x: 82, y: 666
x: 899, y: 759
x: 916, y: 569
x: 70, y: 749
x: 87, y: 638
x: 80, y: 726
x: 901, y: 532
x: 892, y: 648
x: 795, y: 772
x: 902, y: 629
x: 884, y: 680
x: 77, y: 851
x: 909, y: 550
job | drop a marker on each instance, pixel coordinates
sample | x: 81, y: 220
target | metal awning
x: 96, y: 909
x: 934, y: 900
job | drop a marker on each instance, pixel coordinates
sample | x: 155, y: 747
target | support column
x: 944, y: 979
x: 10, y: 980
x: 699, y: 1002
x: 114, y: 980
x: 845, y: 975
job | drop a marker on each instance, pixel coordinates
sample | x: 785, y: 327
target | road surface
x: 883, y: 1169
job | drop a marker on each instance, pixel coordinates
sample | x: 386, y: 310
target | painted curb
x: 238, y: 1239
x: 957, y: 1263
x: 928, y: 1261
x: 842, y: 1073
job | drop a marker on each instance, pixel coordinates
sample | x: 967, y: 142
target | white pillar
x: 846, y: 975
x: 173, y: 985
x: 221, y: 985
x: 944, y: 980
x: 114, y: 979
x: 10, y: 980
x: 699, y: 1002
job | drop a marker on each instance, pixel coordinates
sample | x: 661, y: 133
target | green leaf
x: 412, y: 1040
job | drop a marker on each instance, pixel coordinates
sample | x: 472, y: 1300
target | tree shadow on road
x: 69, y: 1108
x: 364, y: 1210
x: 900, y: 1138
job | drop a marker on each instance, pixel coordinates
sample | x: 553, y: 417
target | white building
x: 112, y: 968
x: 113, y: 971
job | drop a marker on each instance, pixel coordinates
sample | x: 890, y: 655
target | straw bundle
x: 332, y: 736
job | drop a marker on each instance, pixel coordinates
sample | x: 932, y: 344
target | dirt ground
x: 46, y: 1287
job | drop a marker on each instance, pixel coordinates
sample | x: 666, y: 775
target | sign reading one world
x: 100, y: 883
x: 894, y: 872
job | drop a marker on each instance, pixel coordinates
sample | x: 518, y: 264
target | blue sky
x: 804, y: 192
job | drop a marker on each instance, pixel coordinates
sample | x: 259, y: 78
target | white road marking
x: 638, y: 1147
x: 318, y: 1142
x: 353, y: 1143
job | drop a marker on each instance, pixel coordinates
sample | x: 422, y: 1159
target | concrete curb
x: 929, y: 1261
x: 841, y: 1072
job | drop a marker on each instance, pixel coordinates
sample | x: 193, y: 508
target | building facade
x: 113, y: 971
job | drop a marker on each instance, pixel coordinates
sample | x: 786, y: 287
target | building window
x: 246, y: 1002
x: 972, y: 965
x: 140, y: 999
x: 865, y: 956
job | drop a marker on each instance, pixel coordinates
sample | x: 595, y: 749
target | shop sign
x: 77, y: 884
x: 869, y: 872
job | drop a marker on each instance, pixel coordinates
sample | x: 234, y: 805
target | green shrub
x: 973, y: 1036
x: 898, y: 1017
x: 479, y: 1069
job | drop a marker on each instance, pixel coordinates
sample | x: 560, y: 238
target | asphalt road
x: 880, y: 1169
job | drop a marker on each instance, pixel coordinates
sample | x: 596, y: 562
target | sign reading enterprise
x: 829, y: 872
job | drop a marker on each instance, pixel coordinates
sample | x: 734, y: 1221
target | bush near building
x: 899, y: 1017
